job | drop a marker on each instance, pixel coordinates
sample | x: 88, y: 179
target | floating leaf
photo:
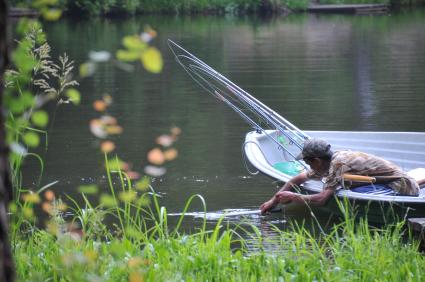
x: 31, y: 197
x: 107, y: 99
x: 114, y: 129
x: 107, y: 146
x: 51, y: 14
x: 175, y: 131
x: 128, y: 196
x: 156, y: 157
x: 88, y: 189
x: 143, y: 184
x: 108, y: 120
x: 170, y: 154
x: 107, y: 200
x: 164, y: 140
x: 31, y: 139
x: 87, y: 69
x: 97, y: 128
x: 99, y: 56
x: 155, y: 171
x: 49, y: 195
x: 133, y: 42
x: 127, y: 56
x: 40, y: 118
x: 74, y: 96
x: 99, y: 105
x: 152, y: 60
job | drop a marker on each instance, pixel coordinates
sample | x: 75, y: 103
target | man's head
x: 315, y: 148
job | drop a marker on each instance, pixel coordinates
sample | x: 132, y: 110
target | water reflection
x: 320, y: 72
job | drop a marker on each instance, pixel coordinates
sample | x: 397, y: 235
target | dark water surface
x: 321, y: 72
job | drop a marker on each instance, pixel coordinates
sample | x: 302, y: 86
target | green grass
x: 149, y: 249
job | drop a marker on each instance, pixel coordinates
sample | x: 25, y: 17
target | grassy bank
x: 351, y: 252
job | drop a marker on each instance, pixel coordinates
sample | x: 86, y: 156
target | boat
x: 406, y: 149
x: 274, y: 142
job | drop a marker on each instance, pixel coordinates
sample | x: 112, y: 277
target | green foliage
x: 33, y: 81
x: 104, y: 7
x: 351, y: 251
x: 297, y: 4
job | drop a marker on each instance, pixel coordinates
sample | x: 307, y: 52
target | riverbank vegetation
x: 150, y: 250
x: 215, y: 7
x: 125, y: 234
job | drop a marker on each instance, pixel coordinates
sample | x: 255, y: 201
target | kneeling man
x: 331, y: 166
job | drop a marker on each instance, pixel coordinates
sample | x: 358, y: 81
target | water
x: 321, y: 72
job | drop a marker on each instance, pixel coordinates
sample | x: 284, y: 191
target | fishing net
x: 255, y: 113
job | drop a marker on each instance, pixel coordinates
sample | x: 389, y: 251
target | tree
x: 6, y: 261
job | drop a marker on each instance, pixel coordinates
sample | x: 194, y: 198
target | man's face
x: 316, y: 164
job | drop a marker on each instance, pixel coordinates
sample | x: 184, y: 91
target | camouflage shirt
x: 368, y: 165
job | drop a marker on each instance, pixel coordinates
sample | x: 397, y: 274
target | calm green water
x: 320, y: 72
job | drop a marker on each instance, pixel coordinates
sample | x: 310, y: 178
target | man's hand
x: 268, y: 205
x: 280, y: 197
x: 285, y: 197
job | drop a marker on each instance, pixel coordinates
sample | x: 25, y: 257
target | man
x: 332, y: 166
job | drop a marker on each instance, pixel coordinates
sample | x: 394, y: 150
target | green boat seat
x: 290, y: 168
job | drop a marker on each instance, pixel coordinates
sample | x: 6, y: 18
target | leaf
x: 107, y: 146
x: 31, y: 197
x: 152, y: 60
x: 40, y: 118
x: 15, y: 105
x: 128, y: 196
x: 88, y: 189
x: 143, y: 184
x: 133, y: 42
x: 170, y: 154
x: 31, y: 139
x: 99, y: 56
x: 155, y: 171
x: 107, y: 200
x: 127, y: 56
x: 74, y: 96
x: 156, y: 156
x: 23, y: 61
x: 51, y: 14
x: 27, y: 99
x: 99, y: 105
x: 42, y: 3
x: 87, y: 69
